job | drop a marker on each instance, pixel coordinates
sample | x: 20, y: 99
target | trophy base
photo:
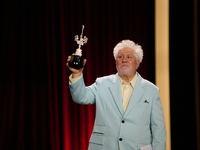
x: 76, y: 62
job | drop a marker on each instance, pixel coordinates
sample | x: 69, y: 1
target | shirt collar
x: 132, y: 82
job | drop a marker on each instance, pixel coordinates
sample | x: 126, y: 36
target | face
x: 126, y: 63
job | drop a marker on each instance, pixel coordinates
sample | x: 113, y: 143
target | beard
x: 126, y: 73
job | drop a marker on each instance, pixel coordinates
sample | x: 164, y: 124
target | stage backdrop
x: 36, y: 109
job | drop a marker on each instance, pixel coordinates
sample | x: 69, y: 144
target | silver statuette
x: 80, y: 42
x: 77, y: 59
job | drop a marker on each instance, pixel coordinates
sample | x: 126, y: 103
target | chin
x: 124, y: 73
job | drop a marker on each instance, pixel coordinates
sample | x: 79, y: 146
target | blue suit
x: 142, y: 124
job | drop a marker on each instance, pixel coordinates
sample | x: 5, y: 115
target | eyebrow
x: 125, y: 54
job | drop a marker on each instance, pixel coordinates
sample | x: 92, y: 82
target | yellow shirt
x: 127, y: 90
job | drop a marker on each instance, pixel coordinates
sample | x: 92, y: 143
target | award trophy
x: 77, y: 59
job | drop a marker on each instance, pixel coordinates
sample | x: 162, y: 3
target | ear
x: 137, y: 64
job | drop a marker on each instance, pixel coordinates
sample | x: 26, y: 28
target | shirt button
x: 123, y: 121
x: 120, y: 139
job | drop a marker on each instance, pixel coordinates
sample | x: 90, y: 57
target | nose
x: 124, y: 59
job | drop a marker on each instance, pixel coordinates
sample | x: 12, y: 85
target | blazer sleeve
x: 158, y: 124
x: 82, y: 94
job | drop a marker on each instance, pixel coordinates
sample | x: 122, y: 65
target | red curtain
x: 36, y: 109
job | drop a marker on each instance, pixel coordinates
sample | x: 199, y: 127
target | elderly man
x: 129, y: 115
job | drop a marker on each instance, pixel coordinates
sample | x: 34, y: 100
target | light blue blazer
x: 142, y: 124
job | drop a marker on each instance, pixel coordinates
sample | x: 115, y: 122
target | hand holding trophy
x: 77, y: 59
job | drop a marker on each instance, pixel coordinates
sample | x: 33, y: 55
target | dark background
x: 36, y: 110
x: 182, y: 76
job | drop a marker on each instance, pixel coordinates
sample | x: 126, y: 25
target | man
x: 129, y: 115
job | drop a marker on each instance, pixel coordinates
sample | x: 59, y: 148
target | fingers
x: 68, y: 59
x: 67, y: 62
x: 84, y: 62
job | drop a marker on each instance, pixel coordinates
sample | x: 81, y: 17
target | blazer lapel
x: 115, y: 90
x: 136, y: 95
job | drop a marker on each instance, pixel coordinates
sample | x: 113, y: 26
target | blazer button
x: 123, y: 121
x: 120, y: 139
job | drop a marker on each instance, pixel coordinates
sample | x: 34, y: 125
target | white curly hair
x: 138, y: 52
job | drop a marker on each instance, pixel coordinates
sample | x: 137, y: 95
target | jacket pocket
x: 99, y: 129
x: 96, y: 139
x: 98, y: 136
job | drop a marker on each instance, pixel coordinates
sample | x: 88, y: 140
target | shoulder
x: 147, y: 84
x: 109, y: 78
